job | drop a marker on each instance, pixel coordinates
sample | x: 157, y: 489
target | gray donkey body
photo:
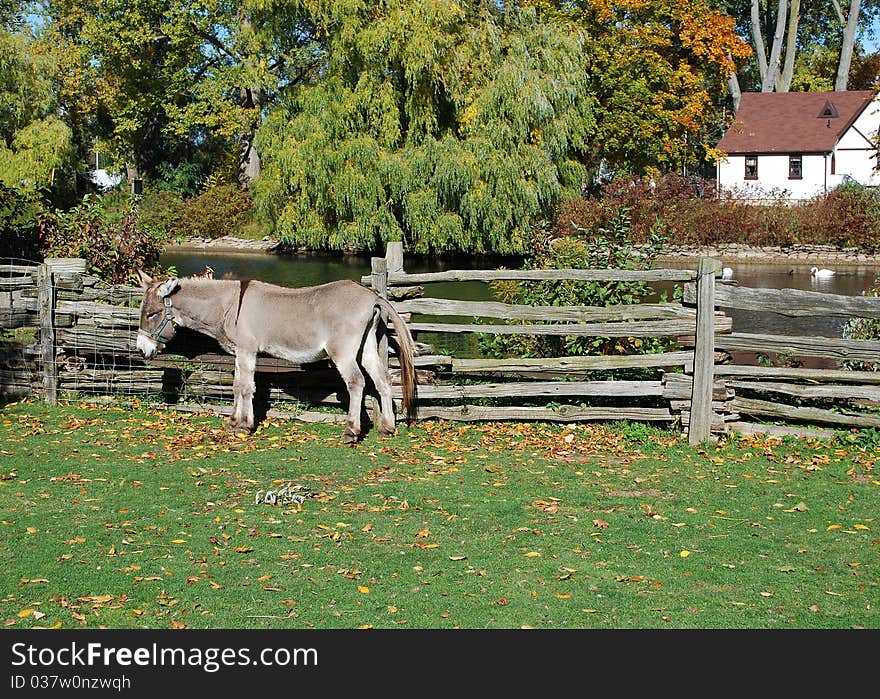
x: 340, y: 320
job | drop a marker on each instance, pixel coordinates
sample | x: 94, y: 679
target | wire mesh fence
x: 18, y: 321
x: 91, y: 331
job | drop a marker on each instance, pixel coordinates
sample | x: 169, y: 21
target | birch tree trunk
x: 846, y: 49
x: 794, y: 18
x: 772, y: 76
x: 735, y: 92
x: 758, y: 40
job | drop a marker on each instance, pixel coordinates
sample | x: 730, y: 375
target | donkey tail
x: 406, y: 354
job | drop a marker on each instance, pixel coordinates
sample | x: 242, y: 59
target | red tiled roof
x: 790, y: 122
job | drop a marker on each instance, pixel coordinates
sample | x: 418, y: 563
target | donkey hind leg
x: 354, y: 382
x: 243, y: 388
x: 374, y: 366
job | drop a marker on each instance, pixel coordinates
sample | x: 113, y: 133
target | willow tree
x: 449, y: 125
x: 34, y: 142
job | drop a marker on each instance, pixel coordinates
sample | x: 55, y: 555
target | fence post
x: 394, y: 257
x: 46, y: 302
x: 379, y: 282
x: 700, y: 425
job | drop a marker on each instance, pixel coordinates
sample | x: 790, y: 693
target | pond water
x: 307, y: 270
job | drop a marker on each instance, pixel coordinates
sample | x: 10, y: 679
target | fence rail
x: 85, y: 343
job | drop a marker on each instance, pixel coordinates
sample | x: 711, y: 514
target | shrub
x: 112, y: 241
x: 609, y: 248
x: 693, y: 213
x: 222, y: 209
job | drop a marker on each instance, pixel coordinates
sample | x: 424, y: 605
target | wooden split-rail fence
x: 84, y: 337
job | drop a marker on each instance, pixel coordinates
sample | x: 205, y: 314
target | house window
x: 833, y: 165
x: 751, y: 167
x: 795, y: 167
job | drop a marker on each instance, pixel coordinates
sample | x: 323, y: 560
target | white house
x: 801, y: 143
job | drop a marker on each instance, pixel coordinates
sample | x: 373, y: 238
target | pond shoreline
x: 773, y: 254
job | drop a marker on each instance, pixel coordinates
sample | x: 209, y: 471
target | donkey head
x: 157, y: 327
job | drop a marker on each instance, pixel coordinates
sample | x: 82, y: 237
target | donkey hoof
x: 349, y: 437
x: 385, y: 432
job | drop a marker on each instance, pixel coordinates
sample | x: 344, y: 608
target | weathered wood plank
x: 798, y: 374
x: 704, y: 353
x: 11, y: 319
x: 571, y: 364
x: 719, y: 422
x: 103, y: 314
x: 428, y: 360
x: 305, y: 416
x: 66, y: 265
x: 564, y: 413
x: 490, y: 275
x: 16, y: 283
x: 46, y: 297
x: 9, y: 269
x: 801, y: 346
x: 522, y: 389
x: 659, y: 328
x: 680, y: 386
x: 719, y: 407
x: 790, y: 302
x: 752, y: 406
x: 489, y: 309
x: 98, y: 339
x: 754, y: 428
x: 870, y: 393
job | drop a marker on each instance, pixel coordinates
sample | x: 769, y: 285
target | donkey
x: 340, y: 320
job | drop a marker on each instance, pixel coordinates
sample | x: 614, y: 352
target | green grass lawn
x: 146, y: 518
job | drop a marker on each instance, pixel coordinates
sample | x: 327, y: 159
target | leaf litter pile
x: 116, y: 518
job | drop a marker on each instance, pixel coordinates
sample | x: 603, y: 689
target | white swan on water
x: 821, y: 273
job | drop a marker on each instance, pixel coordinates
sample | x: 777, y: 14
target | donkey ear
x: 144, y: 279
x: 168, y: 287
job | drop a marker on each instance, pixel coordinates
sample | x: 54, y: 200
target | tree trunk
x: 772, y: 76
x: 794, y: 18
x: 249, y: 165
x: 846, y: 49
x: 735, y: 92
x: 758, y: 40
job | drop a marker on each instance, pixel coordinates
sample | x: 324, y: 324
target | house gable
x: 800, y: 144
x: 793, y: 122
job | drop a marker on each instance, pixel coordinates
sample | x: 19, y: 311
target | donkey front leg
x: 243, y: 388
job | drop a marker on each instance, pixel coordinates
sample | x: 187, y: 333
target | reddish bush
x: 693, y: 214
